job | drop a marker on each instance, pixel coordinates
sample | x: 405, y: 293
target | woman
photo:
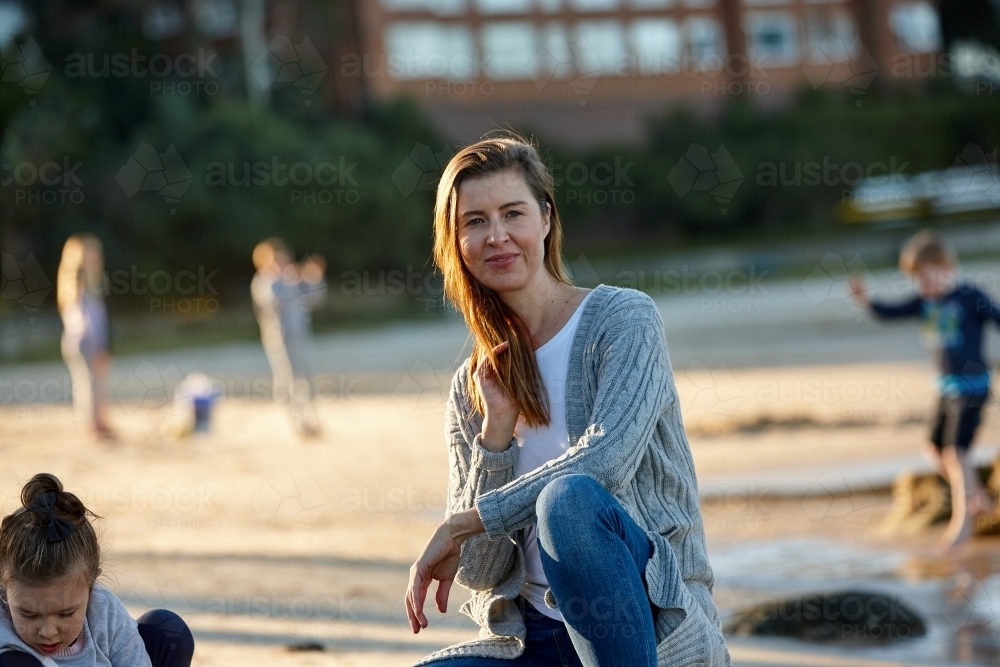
x: 80, y: 298
x: 572, y: 503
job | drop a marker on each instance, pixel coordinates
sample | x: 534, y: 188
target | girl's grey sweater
x: 112, y: 636
x: 626, y: 432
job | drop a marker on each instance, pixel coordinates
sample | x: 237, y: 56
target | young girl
x: 52, y: 611
x: 80, y: 297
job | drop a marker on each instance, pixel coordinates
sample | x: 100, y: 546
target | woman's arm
x: 633, y: 389
x: 481, y: 456
x: 477, y: 464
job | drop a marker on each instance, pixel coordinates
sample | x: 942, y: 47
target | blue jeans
x: 168, y: 642
x: 594, y: 556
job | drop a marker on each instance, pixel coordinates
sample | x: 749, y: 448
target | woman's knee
x: 569, y: 498
x: 18, y: 659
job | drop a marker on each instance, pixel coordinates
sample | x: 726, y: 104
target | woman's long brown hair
x: 490, y: 320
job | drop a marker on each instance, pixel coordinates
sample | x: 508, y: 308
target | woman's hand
x: 501, y: 410
x: 439, y: 561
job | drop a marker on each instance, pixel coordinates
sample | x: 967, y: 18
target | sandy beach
x: 267, y: 543
x: 264, y: 541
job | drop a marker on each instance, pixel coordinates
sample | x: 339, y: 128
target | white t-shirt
x: 540, y: 445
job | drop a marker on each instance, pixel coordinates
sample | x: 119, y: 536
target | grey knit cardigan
x: 625, y: 431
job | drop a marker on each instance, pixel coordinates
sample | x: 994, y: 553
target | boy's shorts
x: 957, y: 419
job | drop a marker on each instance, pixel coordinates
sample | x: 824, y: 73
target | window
x: 503, y: 6
x: 555, y: 56
x: 916, y: 26
x: 831, y: 37
x: 656, y: 44
x: 772, y: 38
x: 600, y: 46
x: 12, y: 19
x: 428, y: 50
x: 594, y: 5
x: 216, y: 18
x: 705, y: 44
x: 509, y: 50
x: 652, y: 4
x: 443, y: 7
x: 162, y: 20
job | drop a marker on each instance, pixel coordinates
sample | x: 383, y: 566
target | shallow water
x: 959, y: 600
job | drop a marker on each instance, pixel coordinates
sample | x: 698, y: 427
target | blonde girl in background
x: 80, y: 299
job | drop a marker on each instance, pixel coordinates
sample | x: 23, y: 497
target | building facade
x: 586, y: 71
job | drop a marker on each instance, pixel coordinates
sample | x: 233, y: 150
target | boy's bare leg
x: 964, y: 487
x: 933, y: 456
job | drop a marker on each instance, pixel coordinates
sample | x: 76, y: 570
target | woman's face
x: 501, y: 231
x: 49, y: 617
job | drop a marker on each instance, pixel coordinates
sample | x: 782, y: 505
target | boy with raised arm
x: 954, y: 314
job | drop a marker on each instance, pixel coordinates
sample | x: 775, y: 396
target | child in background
x: 52, y: 611
x: 80, y: 299
x: 954, y: 314
x: 284, y: 296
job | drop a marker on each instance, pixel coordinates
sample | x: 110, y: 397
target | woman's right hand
x: 501, y: 410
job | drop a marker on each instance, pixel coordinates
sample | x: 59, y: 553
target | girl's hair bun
x: 67, y: 504
x: 41, y: 483
x: 28, y: 550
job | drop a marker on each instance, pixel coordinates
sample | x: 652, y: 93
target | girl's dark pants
x: 167, y: 638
